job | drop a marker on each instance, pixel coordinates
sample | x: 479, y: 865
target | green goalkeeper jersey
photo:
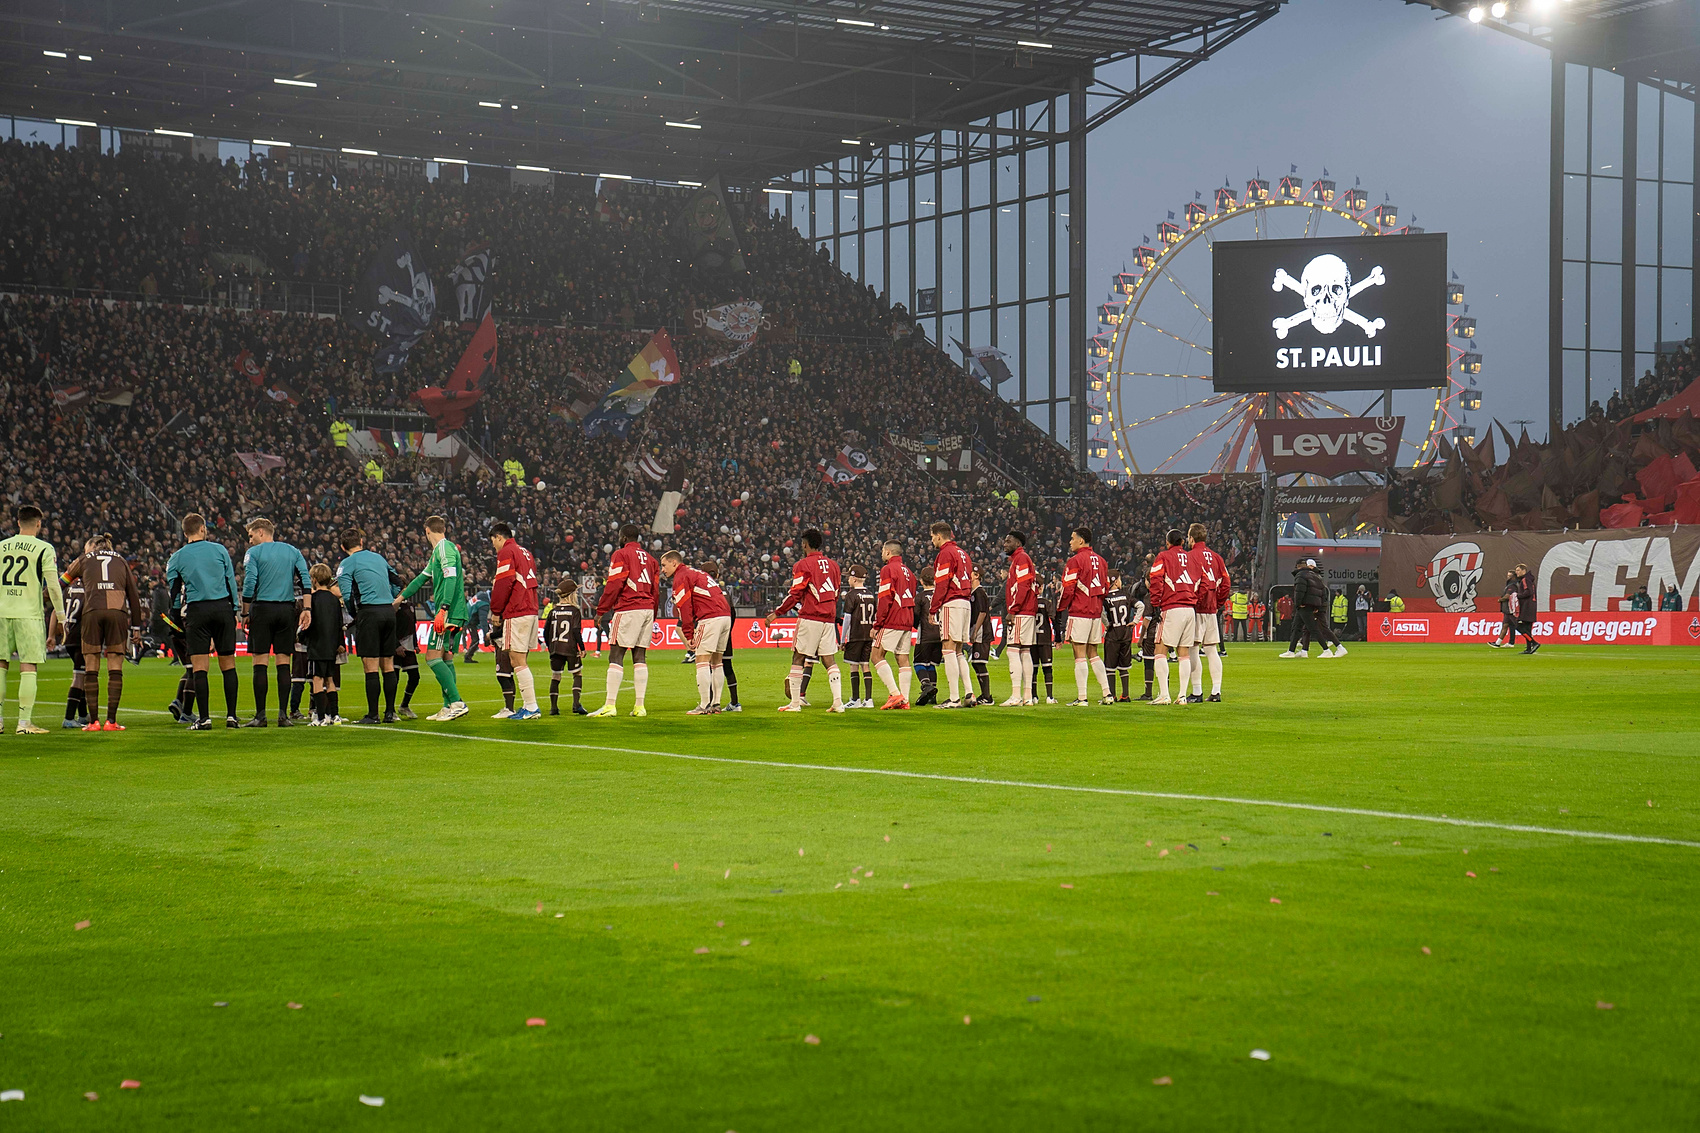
x: 28, y: 568
x: 448, y: 582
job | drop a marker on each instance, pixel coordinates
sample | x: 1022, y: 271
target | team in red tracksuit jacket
x: 696, y: 598
x: 896, y: 609
x: 1085, y: 578
x: 953, y: 576
x: 1020, y: 597
x: 1213, y: 588
x: 633, y: 575
x: 1174, y: 580
x: 814, y: 590
x: 514, y: 592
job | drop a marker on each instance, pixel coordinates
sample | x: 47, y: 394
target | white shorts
x: 1084, y: 631
x: 955, y: 618
x: 519, y: 635
x: 1021, y: 629
x: 630, y: 628
x: 1209, y: 629
x: 816, y: 639
x: 894, y: 641
x: 714, y: 634
x: 1179, y: 628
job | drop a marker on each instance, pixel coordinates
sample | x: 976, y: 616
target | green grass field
x: 986, y: 935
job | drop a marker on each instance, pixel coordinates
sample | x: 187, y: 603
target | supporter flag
x: 259, y: 463
x: 282, y: 393
x: 706, y: 228
x: 651, y: 467
x: 395, y: 301
x: 448, y: 405
x: 472, y: 280
x: 735, y: 325
x: 630, y: 394
x: 846, y: 466
x: 986, y: 363
x: 250, y: 367
x: 65, y: 397
x: 607, y: 212
x: 117, y: 394
x: 574, y: 411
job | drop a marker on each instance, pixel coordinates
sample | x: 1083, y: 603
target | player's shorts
x: 630, y: 629
x: 980, y: 650
x: 1118, y: 650
x: 504, y: 663
x: 1209, y: 631
x: 1084, y: 631
x: 955, y: 618
x: 816, y: 639
x: 929, y: 652
x: 74, y: 632
x: 446, y: 639
x: 298, y: 662
x: 271, y: 628
x: 210, y: 627
x: 519, y: 635
x: 374, y: 632
x: 1179, y: 628
x: 859, y: 652
x: 1041, y: 653
x: 714, y: 634
x: 105, y: 630
x: 1021, y: 629
x: 27, y: 637
x: 324, y: 670
x: 571, y: 660
x: 895, y: 640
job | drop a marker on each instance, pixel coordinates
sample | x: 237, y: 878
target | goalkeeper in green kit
x: 28, y: 570
x: 444, y: 572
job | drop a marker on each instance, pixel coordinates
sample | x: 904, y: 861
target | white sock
x: 965, y: 674
x: 1215, y: 673
x: 1162, y: 668
x: 904, y: 676
x: 640, y: 681
x: 1015, y: 675
x: 835, y: 681
x: 705, y: 685
x: 1184, y: 674
x: 1081, y: 668
x: 886, y: 677
x: 797, y: 684
x: 1103, y: 677
x: 1027, y: 665
x: 616, y: 674
x: 1198, y: 672
x: 527, y: 686
x: 950, y: 672
x: 716, y: 683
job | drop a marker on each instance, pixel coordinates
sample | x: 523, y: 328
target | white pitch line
x: 1439, y: 820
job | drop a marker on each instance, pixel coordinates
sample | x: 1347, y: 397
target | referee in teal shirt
x: 368, y: 586
x: 270, y: 573
x: 202, y: 567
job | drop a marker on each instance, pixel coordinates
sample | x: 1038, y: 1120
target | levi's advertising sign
x: 1567, y: 629
x: 1356, y: 312
x: 1329, y: 446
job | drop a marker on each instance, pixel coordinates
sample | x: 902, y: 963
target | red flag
x: 249, y: 367
x: 478, y: 364
x: 447, y: 407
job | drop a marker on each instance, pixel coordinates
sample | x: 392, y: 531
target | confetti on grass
x: 91, y: 1096
x: 1603, y: 1005
x: 81, y: 925
x: 1066, y: 885
x: 1165, y: 1080
x: 129, y: 1084
x: 1274, y: 900
x: 535, y: 1021
x: 812, y: 1040
x: 702, y: 951
x: 11, y: 1095
x: 540, y: 906
x: 293, y: 1006
x: 220, y: 1003
x: 1469, y: 873
x: 374, y: 1102
x: 1426, y: 952
x: 1260, y: 1055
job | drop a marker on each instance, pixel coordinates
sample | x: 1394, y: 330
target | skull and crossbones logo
x: 1327, y: 289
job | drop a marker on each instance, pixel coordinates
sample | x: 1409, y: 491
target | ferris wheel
x: 1150, y: 403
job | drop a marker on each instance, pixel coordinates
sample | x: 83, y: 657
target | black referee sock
x: 75, y: 704
x: 374, y: 684
x: 412, y: 683
x: 261, y: 685
x: 231, y: 684
x: 855, y: 685
x: 203, y: 693
x: 1150, y: 673
x: 391, y: 680
x: 284, y: 688
x: 731, y: 680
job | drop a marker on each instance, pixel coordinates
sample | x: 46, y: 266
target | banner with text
x: 1329, y: 446
x: 1568, y: 629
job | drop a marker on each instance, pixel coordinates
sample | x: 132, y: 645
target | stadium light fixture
x: 1499, y: 9
x: 779, y: 192
x: 269, y: 142
x: 491, y: 105
x: 86, y: 58
x: 1032, y: 43
x: 616, y: 176
x: 851, y: 141
x: 449, y: 160
x: 1476, y: 14
x: 295, y: 83
x: 55, y: 54
x: 857, y: 23
x: 683, y: 125
x: 691, y: 184
x: 173, y: 133
x: 360, y: 152
x: 77, y: 122
x: 534, y: 168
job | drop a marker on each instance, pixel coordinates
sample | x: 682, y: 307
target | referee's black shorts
x: 375, y: 632
x: 210, y: 627
x: 271, y: 628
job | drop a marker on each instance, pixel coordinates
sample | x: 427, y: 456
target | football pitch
x: 1440, y: 888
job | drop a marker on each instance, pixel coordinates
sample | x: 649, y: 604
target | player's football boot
x: 231, y: 723
x: 1012, y: 702
x: 201, y: 726
x: 389, y: 717
x: 948, y: 704
x: 1161, y: 700
x: 790, y: 708
x: 984, y: 702
x: 112, y: 726
x: 176, y: 710
x: 1106, y: 700
x: 838, y: 708
x: 1080, y: 704
x: 1339, y: 651
x: 699, y: 710
x: 502, y: 715
x: 92, y: 726
x: 1288, y: 653
x: 456, y: 710
x: 72, y: 722
x: 256, y: 722
x: 369, y: 719
x: 406, y: 713
x: 297, y: 715
x: 580, y: 710
x: 639, y: 711
x: 1215, y: 698
x: 527, y: 714
x: 605, y: 710
x: 1329, y: 653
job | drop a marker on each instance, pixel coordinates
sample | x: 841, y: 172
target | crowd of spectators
x: 1670, y: 375
x: 151, y: 411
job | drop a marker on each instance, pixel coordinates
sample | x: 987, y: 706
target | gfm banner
x: 1363, y: 312
x: 1569, y: 629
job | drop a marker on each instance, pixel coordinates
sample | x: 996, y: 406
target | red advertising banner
x: 747, y: 633
x: 1329, y: 446
x: 1678, y: 628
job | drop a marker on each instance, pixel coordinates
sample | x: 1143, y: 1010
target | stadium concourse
x: 123, y: 400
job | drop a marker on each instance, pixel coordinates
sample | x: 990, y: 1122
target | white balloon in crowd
x: 607, y: 548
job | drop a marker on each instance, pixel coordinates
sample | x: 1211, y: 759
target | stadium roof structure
x: 659, y: 89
